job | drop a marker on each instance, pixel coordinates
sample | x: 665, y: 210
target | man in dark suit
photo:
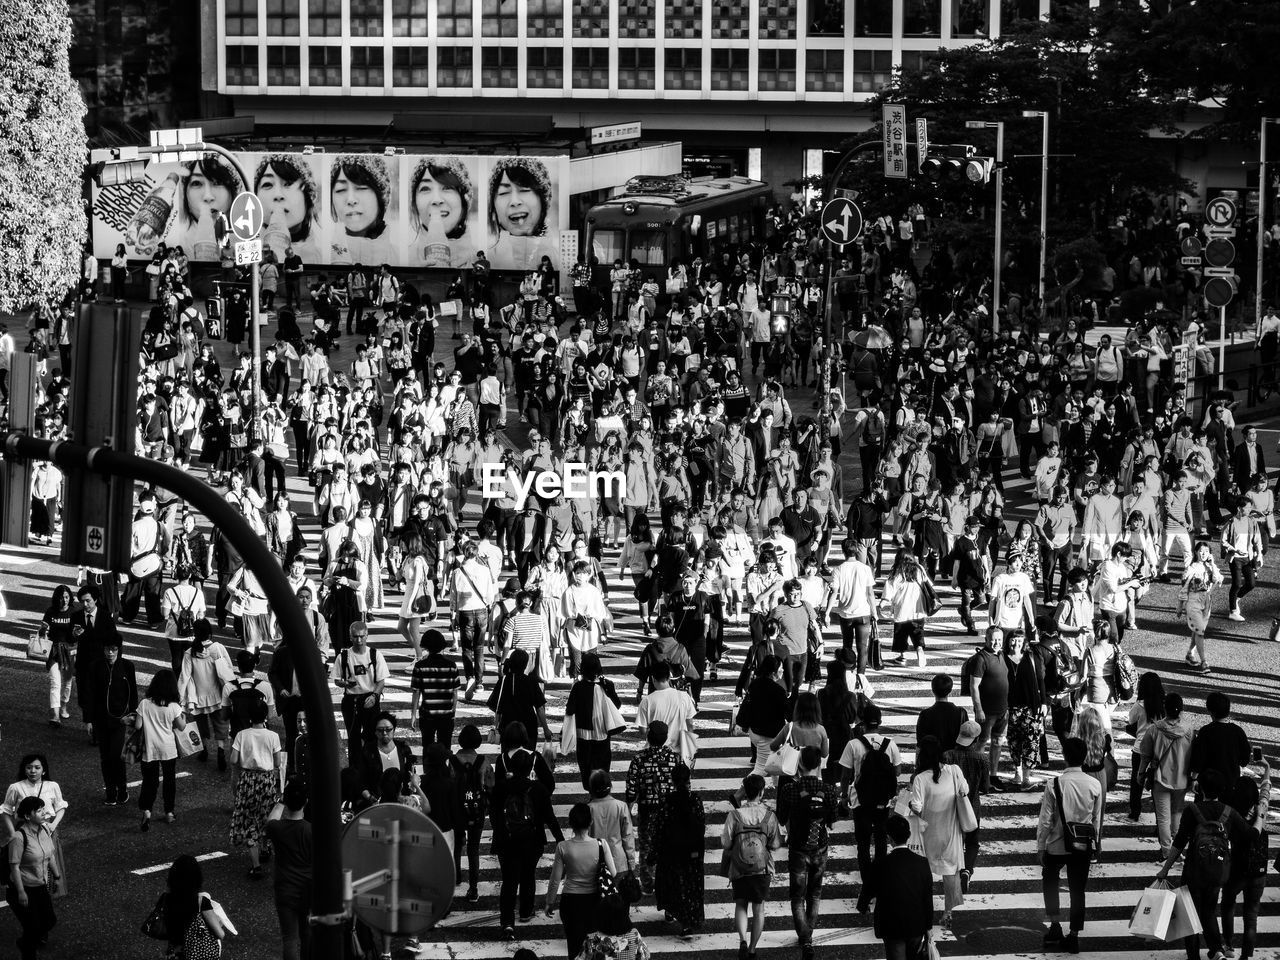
x: 377, y: 753
x: 764, y: 439
x: 275, y: 375
x: 99, y: 629
x: 113, y: 695
x: 1247, y: 460
x: 902, y: 886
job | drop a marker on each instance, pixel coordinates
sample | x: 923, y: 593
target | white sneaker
x: 1236, y: 615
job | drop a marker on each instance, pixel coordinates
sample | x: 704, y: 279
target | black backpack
x: 1210, y: 853
x: 808, y: 826
x: 185, y: 621
x: 877, y: 783
x: 521, y: 818
x: 475, y: 801
x: 242, y: 700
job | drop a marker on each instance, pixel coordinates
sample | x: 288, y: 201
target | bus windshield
x: 649, y: 247
x: 606, y: 246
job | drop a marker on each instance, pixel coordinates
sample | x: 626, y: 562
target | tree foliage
x: 42, y: 155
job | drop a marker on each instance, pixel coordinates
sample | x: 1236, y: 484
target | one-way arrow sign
x: 841, y: 221
x: 246, y: 216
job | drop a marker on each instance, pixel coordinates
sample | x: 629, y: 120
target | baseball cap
x: 969, y: 732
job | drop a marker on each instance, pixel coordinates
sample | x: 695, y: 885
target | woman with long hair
x: 750, y: 890
x: 1147, y: 708
x: 159, y: 717
x: 577, y: 863
x: 194, y: 927
x: 1094, y: 728
x: 937, y: 790
x: 1027, y: 705
x: 344, y: 601
x: 839, y: 710
x: 366, y: 534
x: 804, y: 730
x: 1024, y: 542
x: 903, y: 597
x: 518, y: 697
x: 62, y: 623
x: 205, y: 669
x: 1195, y: 601
x: 589, y: 720
x: 678, y: 882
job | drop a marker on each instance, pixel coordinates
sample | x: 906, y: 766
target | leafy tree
x: 1080, y: 68
x: 42, y: 155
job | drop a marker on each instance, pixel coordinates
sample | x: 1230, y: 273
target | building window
x: 777, y: 70
x: 366, y: 67
x: 969, y: 18
x: 684, y: 19
x: 729, y: 67
x: 498, y: 18
x: 282, y: 18
x: 636, y: 18
x: 453, y: 18
x: 242, y: 66
x: 873, y: 18
x: 366, y: 18
x: 682, y: 68
x: 826, y: 18
x: 409, y: 67
x: 591, y: 67
x: 824, y: 71
x: 1011, y: 10
x: 872, y: 69
x: 731, y: 20
x: 778, y: 20
x: 409, y: 18
x: 453, y: 67
x: 591, y: 18
x: 546, y: 67
x: 545, y: 18
x: 499, y: 66
x: 324, y: 18
x: 284, y: 66
x: 242, y: 19
x: 636, y: 70
x: 324, y: 66
x: 921, y: 18
x: 915, y: 60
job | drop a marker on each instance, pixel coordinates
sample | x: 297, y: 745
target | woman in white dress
x: 936, y: 793
x: 251, y: 608
x: 368, y: 540
x: 417, y: 584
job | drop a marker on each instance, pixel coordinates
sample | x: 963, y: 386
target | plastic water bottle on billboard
x: 151, y: 222
x: 435, y: 252
x: 276, y: 235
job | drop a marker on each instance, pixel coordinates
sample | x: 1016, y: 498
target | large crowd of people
x: 746, y: 507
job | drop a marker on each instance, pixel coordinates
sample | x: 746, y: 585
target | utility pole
x: 998, y: 125
x: 1262, y: 217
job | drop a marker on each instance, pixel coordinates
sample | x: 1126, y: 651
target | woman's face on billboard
x: 281, y: 199
x: 354, y: 204
x: 518, y: 209
x: 205, y: 197
x: 439, y: 203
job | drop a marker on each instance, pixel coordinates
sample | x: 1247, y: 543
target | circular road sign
x: 1219, y: 252
x: 390, y: 832
x: 841, y: 221
x: 246, y: 216
x: 1190, y: 247
x: 1221, y: 212
x: 1218, y: 291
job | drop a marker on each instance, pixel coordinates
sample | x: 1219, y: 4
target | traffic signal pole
x: 328, y: 913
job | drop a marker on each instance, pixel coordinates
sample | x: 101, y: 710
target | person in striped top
x: 525, y: 630
x: 435, y: 691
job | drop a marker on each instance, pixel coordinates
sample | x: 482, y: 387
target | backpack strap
x: 884, y: 745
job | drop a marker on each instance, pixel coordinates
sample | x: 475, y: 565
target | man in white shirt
x: 361, y: 674
x: 868, y: 821
x: 1012, y: 603
x: 852, y: 599
x: 473, y: 590
x: 784, y: 548
x: 673, y: 707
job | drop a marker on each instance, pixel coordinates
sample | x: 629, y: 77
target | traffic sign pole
x: 246, y: 223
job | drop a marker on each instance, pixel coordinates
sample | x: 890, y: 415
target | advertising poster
x: 426, y: 211
x: 445, y: 211
x: 365, y: 224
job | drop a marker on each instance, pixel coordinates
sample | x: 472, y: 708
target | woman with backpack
x: 937, y: 792
x: 1147, y: 709
x: 1166, y: 767
x: 182, y: 605
x: 473, y: 778
x: 579, y: 862
x: 678, y: 883
x: 749, y: 837
x: 521, y: 815
x: 193, y: 926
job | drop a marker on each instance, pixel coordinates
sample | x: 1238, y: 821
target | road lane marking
x: 159, y: 867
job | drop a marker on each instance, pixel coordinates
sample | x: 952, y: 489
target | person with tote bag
x: 160, y: 718
x: 940, y: 797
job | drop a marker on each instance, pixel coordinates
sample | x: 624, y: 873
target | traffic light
x: 955, y: 163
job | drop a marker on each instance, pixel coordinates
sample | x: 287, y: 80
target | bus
x: 658, y: 220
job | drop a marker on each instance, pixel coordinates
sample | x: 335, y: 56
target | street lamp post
x: 1044, y: 197
x: 1262, y: 216
x: 998, y: 125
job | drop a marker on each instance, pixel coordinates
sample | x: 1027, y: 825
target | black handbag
x: 628, y: 885
x: 610, y: 898
x: 154, y: 926
x: 1078, y: 838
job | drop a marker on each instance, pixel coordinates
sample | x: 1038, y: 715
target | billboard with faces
x: 426, y: 211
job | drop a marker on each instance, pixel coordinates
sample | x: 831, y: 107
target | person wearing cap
x: 148, y: 545
x: 970, y: 756
x: 434, y: 685
x: 113, y: 695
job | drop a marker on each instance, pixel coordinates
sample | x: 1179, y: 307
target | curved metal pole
x: 327, y: 910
